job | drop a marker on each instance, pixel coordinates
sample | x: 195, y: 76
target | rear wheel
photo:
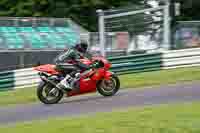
x: 48, y: 94
x: 109, y: 87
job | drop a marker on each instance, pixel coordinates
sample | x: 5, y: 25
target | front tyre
x: 109, y: 87
x: 48, y: 94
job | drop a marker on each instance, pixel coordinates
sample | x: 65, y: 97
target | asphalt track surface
x: 85, y: 105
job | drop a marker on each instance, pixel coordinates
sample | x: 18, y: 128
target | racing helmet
x: 82, y: 46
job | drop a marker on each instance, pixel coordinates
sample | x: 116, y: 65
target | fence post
x: 101, y: 31
x: 167, y: 27
x: 21, y: 60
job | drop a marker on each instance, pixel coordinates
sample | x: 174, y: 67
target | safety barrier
x: 18, y: 79
x: 181, y: 58
x: 136, y: 63
x: 24, y: 78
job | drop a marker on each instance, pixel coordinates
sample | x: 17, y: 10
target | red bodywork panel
x: 99, y: 74
x: 107, y: 75
x: 86, y: 61
x: 87, y: 85
x: 106, y: 62
x: 48, y: 68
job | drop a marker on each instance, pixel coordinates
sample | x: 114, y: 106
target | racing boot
x: 65, y: 83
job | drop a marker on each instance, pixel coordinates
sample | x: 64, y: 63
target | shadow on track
x: 83, y: 98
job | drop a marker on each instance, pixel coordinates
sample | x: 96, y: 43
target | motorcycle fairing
x: 108, y: 75
x: 86, y: 85
x: 48, y: 68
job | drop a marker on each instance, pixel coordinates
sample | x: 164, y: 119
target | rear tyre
x: 50, y: 91
x: 109, y: 87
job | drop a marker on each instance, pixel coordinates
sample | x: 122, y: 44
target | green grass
x: 20, y: 96
x: 163, y: 119
x: 134, y: 81
x: 162, y: 77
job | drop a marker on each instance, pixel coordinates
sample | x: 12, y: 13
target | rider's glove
x: 94, y: 65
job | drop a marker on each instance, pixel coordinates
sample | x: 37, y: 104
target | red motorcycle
x: 97, y: 79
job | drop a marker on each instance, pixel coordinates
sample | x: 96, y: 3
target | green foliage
x: 82, y: 11
x: 189, y: 10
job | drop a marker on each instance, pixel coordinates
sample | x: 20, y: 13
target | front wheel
x: 109, y: 87
x: 48, y: 94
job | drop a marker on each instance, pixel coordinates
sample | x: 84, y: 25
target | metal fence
x: 145, y: 29
x: 116, y: 44
x: 187, y: 34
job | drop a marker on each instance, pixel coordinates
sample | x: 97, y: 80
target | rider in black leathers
x: 73, y: 54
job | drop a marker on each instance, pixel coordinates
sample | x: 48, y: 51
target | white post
x: 132, y: 43
x: 101, y: 31
x: 167, y: 28
x: 21, y: 59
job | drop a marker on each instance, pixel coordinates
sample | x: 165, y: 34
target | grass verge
x: 163, y: 119
x: 22, y: 96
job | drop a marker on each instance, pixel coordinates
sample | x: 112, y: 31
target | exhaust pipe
x: 44, y: 76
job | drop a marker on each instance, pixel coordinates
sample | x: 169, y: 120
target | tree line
x: 83, y: 11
